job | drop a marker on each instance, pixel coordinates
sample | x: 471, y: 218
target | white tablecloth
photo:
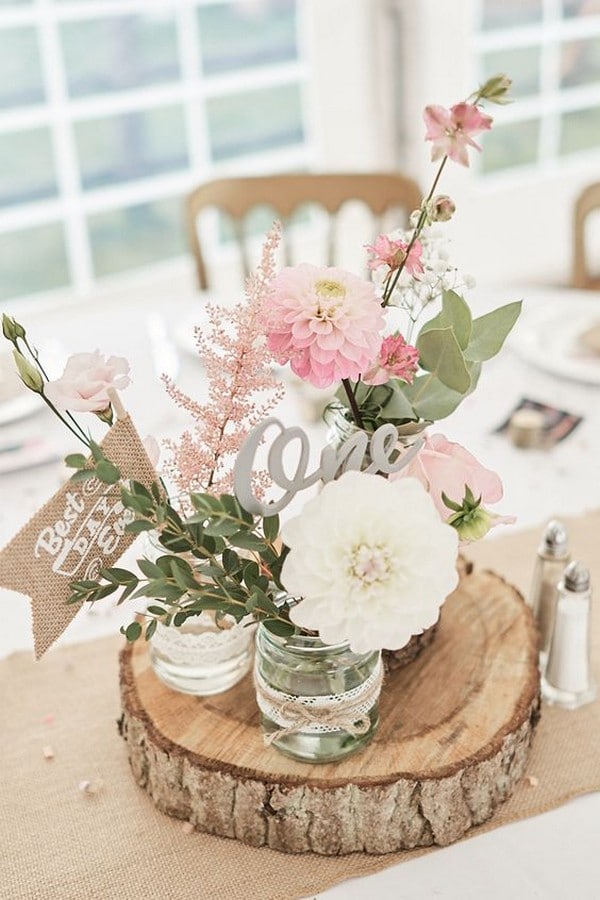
x: 552, y: 857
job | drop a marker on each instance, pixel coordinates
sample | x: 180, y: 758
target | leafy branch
x: 220, y: 559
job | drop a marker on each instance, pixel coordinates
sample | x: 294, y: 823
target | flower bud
x: 474, y: 525
x: 11, y: 328
x: 495, y: 89
x: 106, y: 415
x: 30, y: 376
x: 442, y: 208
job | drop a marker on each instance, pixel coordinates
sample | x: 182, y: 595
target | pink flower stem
x: 418, y: 228
x: 353, y: 404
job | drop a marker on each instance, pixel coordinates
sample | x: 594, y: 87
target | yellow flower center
x: 328, y: 288
x: 370, y: 564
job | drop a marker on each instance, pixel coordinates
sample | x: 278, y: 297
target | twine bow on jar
x: 347, y: 711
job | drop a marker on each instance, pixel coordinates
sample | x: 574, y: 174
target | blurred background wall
x: 111, y: 110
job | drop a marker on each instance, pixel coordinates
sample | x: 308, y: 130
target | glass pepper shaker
x: 567, y: 681
x: 552, y: 557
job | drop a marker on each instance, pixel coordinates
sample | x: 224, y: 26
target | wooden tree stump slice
x: 453, y: 740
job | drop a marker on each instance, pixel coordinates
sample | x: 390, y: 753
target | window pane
x: 522, y: 65
x: 20, y: 70
x: 137, y: 235
x: 505, y: 13
x: 580, y: 130
x: 128, y: 52
x: 245, y: 33
x: 575, y: 8
x: 511, y: 145
x: 131, y: 146
x: 45, y: 247
x: 255, y: 121
x: 26, y: 167
x: 580, y: 62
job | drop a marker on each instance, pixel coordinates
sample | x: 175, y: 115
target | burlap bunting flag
x: 77, y: 532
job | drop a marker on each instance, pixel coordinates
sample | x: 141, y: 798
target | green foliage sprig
x: 220, y: 559
x: 452, y: 349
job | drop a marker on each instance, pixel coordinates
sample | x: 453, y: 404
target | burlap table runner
x: 58, y: 843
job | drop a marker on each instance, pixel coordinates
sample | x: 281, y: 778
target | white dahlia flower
x: 371, y: 560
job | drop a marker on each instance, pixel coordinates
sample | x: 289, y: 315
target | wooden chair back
x: 587, y: 202
x: 237, y: 197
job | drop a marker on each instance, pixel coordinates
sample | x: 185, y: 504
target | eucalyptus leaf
x: 206, y: 503
x: 271, y: 527
x: 133, y: 631
x: 150, y: 569
x: 138, y: 526
x: 281, y: 629
x: 221, y: 527
x: 440, y: 354
x: 127, y: 592
x: 247, y: 541
x: 251, y: 573
x: 82, y: 475
x: 139, y: 490
x: 431, y: 399
x: 117, y: 576
x: 398, y: 406
x: 156, y: 610
x: 76, y: 461
x: 107, y: 472
x: 490, y: 331
x: 455, y: 313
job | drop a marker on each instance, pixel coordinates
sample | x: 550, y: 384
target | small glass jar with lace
x: 204, y: 655
x: 318, y: 702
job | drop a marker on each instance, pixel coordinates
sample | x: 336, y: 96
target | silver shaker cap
x: 576, y: 577
x: 555, y: 541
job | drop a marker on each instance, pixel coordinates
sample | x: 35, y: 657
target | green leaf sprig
x: 220, y: 559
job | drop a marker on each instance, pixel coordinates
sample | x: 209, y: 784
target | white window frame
x: 73, y: 204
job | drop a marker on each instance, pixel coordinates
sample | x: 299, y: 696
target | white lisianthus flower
x: 371, y: 560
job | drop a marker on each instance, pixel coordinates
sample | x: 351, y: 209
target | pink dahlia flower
x: 450, y: 130
x: 388, y: 252
x: 396, y: 359
x: 325, y: 322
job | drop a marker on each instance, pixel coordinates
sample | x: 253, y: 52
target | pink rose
x: 444, y: 466
x: 83, y: 385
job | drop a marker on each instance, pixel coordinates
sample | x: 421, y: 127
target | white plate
x: 549, y: 338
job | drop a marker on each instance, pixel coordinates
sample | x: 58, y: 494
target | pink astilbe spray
x: 241, y: 392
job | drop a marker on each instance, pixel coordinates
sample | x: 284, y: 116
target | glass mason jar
x: 318, y: 702
x: 200, y: 657
x: 341, y: 428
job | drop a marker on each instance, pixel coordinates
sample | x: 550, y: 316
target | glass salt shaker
x: 552, y: 557
x: 567, y: 681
